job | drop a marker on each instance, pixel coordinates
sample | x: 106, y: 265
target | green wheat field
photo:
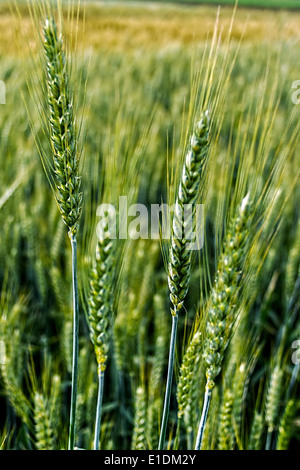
x: 133, y: 341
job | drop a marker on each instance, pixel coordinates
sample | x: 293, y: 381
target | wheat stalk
x: 65, y: 168
x: 179, y: 269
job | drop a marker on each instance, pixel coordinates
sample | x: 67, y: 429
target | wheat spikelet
x: 188, y: 386
x: 187, y: 371
x: 43, y: 428
x: 139, y: 441
x: 153, y: 422
x: 62, y: 128
x: 223, y: 297
x: 240, y: 378
x: 101, y: 299
x: 221, y: 304
x: 286, y: 425
x: 226, y: 437
x: 257, y: 428
x: 274, y: 398
x: 179, y: 256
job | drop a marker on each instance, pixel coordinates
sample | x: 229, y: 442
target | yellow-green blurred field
x: 150, y: 26
x: 133, y: 79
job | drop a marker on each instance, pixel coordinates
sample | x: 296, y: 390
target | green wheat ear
x: 256, y: 433
x: 62, y: 128
x: 43, y: 429
x: 101, y: 299
x: 187, y: 371
x: 139, y: 439
x: 222, y: 302
x: 285, y: 431
x: 179, y: 269
x: 273, y: 402
x: 224, y: 293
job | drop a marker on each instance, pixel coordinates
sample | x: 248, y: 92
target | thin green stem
x: 207, y: 398
x: 75, y: 343
x: 269, y: 439
x: 169, y: 383
x: 99, y: 409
